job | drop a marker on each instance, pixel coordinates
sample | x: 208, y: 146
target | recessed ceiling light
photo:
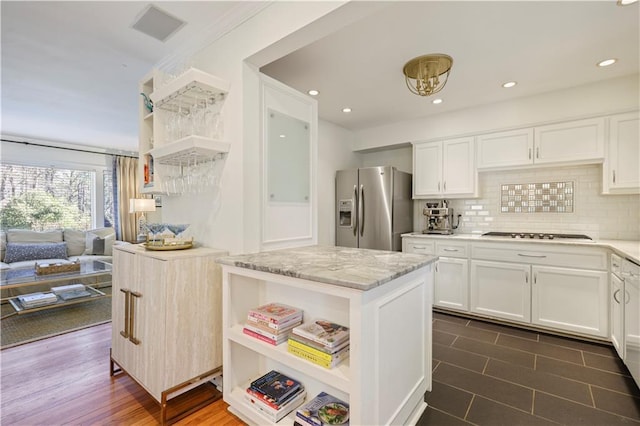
x: 346, y: 109
x: 313, y: 92
x: 283, y: 136
x: 607, y: 62
x: 509, y: 84
x: 626, y: 2
x: 436, y: 101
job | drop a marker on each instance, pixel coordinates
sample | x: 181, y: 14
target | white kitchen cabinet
x: 570, y: 299
x: 631, y: 275
x: 570, y: 142
x: 616, y: 302
x: 444, y: 169
x: 166, y: 318
x: 418, y: 245
x: 566, y: 287
x: 383, y: 385
x: 505, y: 149
x: 621, y: 171
x: 451, y: 283
x: 501, y: 290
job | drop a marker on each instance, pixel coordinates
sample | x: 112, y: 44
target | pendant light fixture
x: 427, y: 74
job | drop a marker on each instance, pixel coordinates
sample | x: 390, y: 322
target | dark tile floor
x: 491, y: 374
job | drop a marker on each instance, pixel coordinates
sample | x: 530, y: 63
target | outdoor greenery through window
x: 43, y: 198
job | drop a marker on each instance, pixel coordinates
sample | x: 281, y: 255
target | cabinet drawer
x: 551, y: 255
x: 418, y: 245
x: 452, y: 249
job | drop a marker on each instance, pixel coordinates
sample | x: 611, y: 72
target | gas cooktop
x: 538, y: 236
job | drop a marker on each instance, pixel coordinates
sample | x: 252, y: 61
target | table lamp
x: 141, y: 205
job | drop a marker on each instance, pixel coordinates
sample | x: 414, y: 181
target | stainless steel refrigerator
x: 373, y: 207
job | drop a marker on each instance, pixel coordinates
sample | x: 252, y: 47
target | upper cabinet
x: 181, y: 131
x: 571, y: 142
x: 621, y: 172
x: 444, y: 169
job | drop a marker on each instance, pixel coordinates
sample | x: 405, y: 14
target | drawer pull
x: 539, y: 256
x: 419, y: 248
x: 451, y: 249
x: 614, y: 296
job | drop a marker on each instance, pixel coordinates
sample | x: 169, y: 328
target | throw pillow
x: 17, y: 252
x: 75, y: 240
x: 29, y: 236
x: 97, y: 245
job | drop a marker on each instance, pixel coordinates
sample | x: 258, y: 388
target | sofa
x: 23, y: 247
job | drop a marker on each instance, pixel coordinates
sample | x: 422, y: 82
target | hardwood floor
x: 65, y: 380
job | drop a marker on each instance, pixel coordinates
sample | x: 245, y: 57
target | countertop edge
x: 628, y: 249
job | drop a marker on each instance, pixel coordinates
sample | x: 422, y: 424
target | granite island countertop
x: 361, y: 269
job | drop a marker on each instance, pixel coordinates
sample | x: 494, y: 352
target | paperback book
x: 265, y: 339
x: 277, y: 412
x: 318, y: 346
x: 273, y: 327
x: 276, y: 386
x: 276, y: 313
x: 320, y: 360
x: 280, y: 335
x: 324, y: 332
x: 324, y: 409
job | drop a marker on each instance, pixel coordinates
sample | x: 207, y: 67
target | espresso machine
x: 439, y: 218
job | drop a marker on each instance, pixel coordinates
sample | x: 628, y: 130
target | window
x: 42, y: 198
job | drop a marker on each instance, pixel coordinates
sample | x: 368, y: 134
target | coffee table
x: 95, y: 272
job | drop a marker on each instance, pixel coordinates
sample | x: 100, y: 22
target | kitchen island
x: 383, y: 297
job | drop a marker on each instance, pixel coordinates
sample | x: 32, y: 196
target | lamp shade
x: 142, y: 205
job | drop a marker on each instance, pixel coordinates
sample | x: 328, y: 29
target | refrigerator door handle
x: 361, y: 210
x: 354, y: 225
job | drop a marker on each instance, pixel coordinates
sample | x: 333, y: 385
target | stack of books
x: 322, y: 342
x: 35, y: 300
x: 275, y: 395
x: 71, y: 291
x: 323, y: 410
x: 272, y: 323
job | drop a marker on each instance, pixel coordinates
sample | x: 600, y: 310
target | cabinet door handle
x: 125, y: 333
x: 614, y: 296
x: 450, y: 249
x: 526, y: 277
x: 436, y: 266
x: 535, y: 278
x: 539, y: 256
x: 614, y: 176
x: 132, y: 316
x: 538, y: 152
x: 529, y: 153
x: 445, y: 185
x: 438, y: 186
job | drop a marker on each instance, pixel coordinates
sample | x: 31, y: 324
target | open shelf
x: 187, y: 149
x: 187, y: 87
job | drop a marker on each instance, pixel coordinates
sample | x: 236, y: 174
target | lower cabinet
x: 501, y: 290
x: 166, y: 316
x: 617, y: 314
x: 452, y: 283
x: 572, y: 300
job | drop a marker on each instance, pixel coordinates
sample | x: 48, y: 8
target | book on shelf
x: 265, y: 339
x: 276, y: 386
x: 324, y: 409
x: 322, y: 331
x: 276, y: 313
x: 279, y: 336
x: 316, y: 352
x: 67, y: 288
x: 334, y: 360
x: 276, y: 414
x: 33, y: 300
x: 319, y: 346
x: 273, y: 327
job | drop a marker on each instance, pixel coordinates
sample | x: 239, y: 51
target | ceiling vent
x: 157, y: 23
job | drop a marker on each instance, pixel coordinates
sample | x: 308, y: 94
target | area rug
x: 20, y: 329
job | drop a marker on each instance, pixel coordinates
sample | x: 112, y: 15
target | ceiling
x: 70, y: 70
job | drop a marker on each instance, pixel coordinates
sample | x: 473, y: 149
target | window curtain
x: 125, y: 187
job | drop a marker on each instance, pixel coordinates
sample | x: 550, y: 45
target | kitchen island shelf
x: 376, y: 294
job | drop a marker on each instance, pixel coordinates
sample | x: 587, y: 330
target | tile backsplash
x: 598, y: 216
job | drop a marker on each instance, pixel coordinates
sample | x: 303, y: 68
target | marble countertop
x: 360, y: 269
x: 625, y: 248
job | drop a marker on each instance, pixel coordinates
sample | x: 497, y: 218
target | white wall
x: 236, y: 225
x: 334, y: 153
x: 605, y: 97
x: 598, y: 216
